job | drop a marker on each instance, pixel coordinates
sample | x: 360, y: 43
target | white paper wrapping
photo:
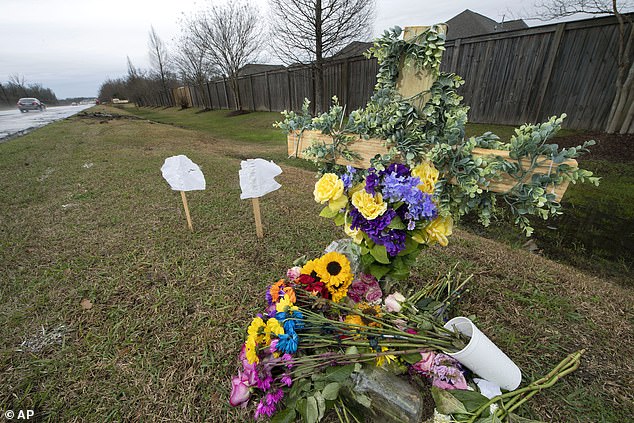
x: 182, y: 174
x: 257, y: 178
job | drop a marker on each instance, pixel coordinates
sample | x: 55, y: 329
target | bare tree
x: 19, y: 81
x: 621, y: 117
x: 159, y: 60
x: 231, y: 35
x: 192, y: 61
x: 307, y: 31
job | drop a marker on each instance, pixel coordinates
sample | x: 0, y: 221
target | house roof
x: 355, y: 48
x: 469, y: 23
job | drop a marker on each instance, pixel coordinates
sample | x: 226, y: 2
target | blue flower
x: 287, y: 342
x: 348, y: 177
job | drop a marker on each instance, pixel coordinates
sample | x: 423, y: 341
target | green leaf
x: 396, y: 223
x: 490, y: 419
x: 447, y: 403
x: 312, y: 412
x: 285, y: 416
x: 340, y: 219
x: 472, y: 400
x: 410, y: 246
x: 367, y: 260
x: 379, y: 270
x: 327, y: 212
x: 300, y: 406
x: 339, y: 373
x: 363, y: 399
x: 321, y: 405
x: 379, y: 252
x: 412, y: 358
x: 331, y: 391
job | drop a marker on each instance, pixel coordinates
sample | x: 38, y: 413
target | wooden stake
x: 258, y: 218
x: 189, y: 218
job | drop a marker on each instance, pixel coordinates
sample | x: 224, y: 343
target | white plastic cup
x: 483, y: 357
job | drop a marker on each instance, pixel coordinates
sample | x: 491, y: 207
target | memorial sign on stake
x: 183, y: 175
x: 257, y: 178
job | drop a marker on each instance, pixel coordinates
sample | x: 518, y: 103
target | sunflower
x: 309, y: 268
x: 334, y: 270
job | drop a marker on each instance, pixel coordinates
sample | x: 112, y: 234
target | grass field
x: 86, y: 215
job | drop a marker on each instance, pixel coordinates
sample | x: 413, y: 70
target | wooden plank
x: 369, y: 148
x: 412, y: 81
x: 548, y: 68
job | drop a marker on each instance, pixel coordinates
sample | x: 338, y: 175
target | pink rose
x: 426, y: 364
x: 373, y: 295
x: 393, y: 302
x: 293, y: 273
x: 240, y: 391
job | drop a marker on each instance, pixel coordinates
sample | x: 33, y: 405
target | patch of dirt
x: 613, y: 147
x: 237, y: 113
x: 107, y: 116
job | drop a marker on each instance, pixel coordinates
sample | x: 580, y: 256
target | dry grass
x: 170, y: 307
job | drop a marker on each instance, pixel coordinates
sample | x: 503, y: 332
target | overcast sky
x: 72, y: 46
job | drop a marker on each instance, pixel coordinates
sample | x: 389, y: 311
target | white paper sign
x: 257, y: 178
x: 182, y: 174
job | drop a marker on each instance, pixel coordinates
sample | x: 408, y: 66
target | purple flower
x: 393, y: 240
x: 371, y: 181
x: 272, y: 398
x: 373, y: 226
x: 286, y: 379
x: 264, y: 383
x: 397, y: 169
x: 264, y: 409
x: 445, y: 372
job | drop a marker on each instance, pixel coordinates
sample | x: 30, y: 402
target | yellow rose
x: 438, y: 230
x: 355, y: 234
x: 428, y: 176
x: 328, y: 188
x: 370, y: 206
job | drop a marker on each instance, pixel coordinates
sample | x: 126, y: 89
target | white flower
x: 441, y: 418
x: 393, y: 302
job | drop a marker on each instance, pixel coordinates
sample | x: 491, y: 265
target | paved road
x: 13, y: 122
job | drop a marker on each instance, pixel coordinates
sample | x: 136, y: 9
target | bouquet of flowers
x: 390, y: 211
x: 323, y: 325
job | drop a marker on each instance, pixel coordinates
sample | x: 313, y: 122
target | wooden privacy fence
x: 511, y: 78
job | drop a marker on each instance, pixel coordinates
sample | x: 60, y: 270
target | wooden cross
x: 410, y: 83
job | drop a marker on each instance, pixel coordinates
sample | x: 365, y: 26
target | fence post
x: 252, y: 95
x: 548, y: 68
x: 211, y: 102
x: 290, y: 95
x: 345, y: 82
x: 224, y: 81
x: 454, y: 57
x: 268, y: 91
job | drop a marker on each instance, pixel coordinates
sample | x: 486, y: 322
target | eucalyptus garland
x: 436, y: 133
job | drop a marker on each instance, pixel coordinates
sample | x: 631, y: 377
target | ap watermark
x: 19, y: 414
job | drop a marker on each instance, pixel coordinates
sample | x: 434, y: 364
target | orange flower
x: 290, y: 294
x: 275, y: 290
